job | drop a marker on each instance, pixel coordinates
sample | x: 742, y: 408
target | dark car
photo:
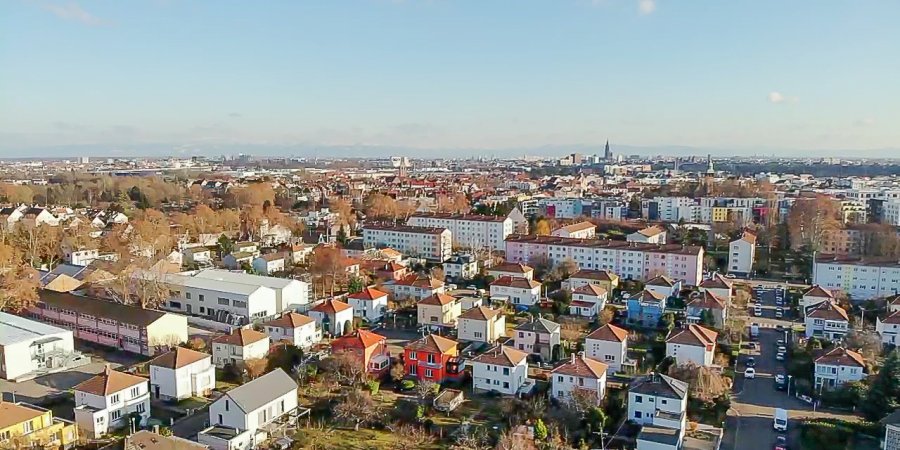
x: 751, y: 362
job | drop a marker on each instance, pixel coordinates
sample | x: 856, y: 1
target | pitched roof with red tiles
x: 368, y: 294
x: 417, y: 280
x: 894, y: 300
x: 827, y: 311
x: 290, y: 320
x: 360, y: 338
x: 511, y: 268
x: 590, y: 289
x: 707, y: 300
x: 576, y: 227
x: 599, y: 275
x: 716, y: 282
x: 693, y: 334
x: 840, y: 356
x: 582, y: 366
x: 652, y: 230
x: 818, y: 291
x: 609, y: 332
x: 437, y: 300
x: 749, y: 237
x: 331, y: 306
x: 648, y: 295
x: 480, y: 313
x: 109, y: 382
x: 241, y: 337
x: 516, y: 282
x: 432, y: 344
x: 661, y: 280
x: 501, y: 356
x: 178, y: 358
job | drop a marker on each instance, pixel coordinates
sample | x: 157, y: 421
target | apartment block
x: 431, y: 243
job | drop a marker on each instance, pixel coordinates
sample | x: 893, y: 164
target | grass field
x: 347, y: 439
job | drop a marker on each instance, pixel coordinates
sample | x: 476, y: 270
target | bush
x: 373, y: 386
x: 407, y: 385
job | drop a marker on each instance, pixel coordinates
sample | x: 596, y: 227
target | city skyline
x: 373, y: 78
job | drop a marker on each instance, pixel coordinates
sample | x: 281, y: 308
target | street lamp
x: 789, y: 385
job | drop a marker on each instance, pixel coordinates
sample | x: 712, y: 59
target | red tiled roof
x: 178, y: 358
x: 600, y: 275
x: 480, y: 313
x: 707, y: 300
x: 331, y: 307
x: 609, y: 332
x: 433, y: 344
x: 290, y: 320
x: 501, y: 356
x: 582, y: 366
x: 420, y: 281
x: 827, y: 311
x: 661, y: 280
x: 368, y: 294
x: 590, y: 289
x: 109, y: 382
x: 511, y: 268
x: 818, y: 291
x: 241, y: 337
x: 360, y: 338
x: 437, y: 299
x: 693, y: 334
x: 516, y: 282
x: 840, y: 356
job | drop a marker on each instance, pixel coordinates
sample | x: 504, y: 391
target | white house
x: 240, y: 345
x: 290, y: 294
x: 80, y: 256
x: 602, y: 278
x: 501, y: 369
x: 299, y: 330
x: 609, y: 344
x: 892, y: 425
x: 513, y: 270
x: 579, y: 373
x: 861, y: 279
x: 741, y: 254
x: 718, y: 285
x: 269, y: 263
x: 826, y: 320
x: 519, y: 291
x: 588, y: 300
x: 461, y: 267
x: 838, y: 366
x: 656, y: 394
x: 692, y: 344
x: 332, y: 316
x: 182, y: 373
x: 813, y: 296
x: 664, y: 286
x: 200, y: 256
x: 30, y: 349
x: 481, y: 324
x: 653, y: 234
x: 250, y: 411
x: 439, y: 310
x: 889, y: 328
x: 580, y: 230
x: 414, y: 286
x: 369, y: 303
x: 538, y: 336
x: 106, y: 401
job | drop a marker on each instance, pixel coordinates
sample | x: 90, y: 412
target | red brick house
x: 370, y: 347
x: 433, y: 358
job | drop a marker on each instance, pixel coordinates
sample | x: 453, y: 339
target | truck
x: 781, y: 420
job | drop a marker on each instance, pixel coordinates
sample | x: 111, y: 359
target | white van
x: 781, y: 420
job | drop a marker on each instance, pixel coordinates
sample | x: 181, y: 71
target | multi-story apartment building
x: 123, y: 327
x: 628, y: 259
x: 741, y: 254
x: 860, y: 278
x: 891, y: 212
x: 431, y: 243
x: 562, y: 207
x: 28, y: 426
x: 466, y: 230
x: 666, y: 209
x: 107, y: 401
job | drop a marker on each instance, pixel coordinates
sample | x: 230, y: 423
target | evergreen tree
x: 540, y: 430
x: 885, y: 389
x: 707, y: 319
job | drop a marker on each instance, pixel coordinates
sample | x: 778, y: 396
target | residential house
x: 813, y: 296
x: 387, y: 270
x: 371, y: 348
x: 269, y: 263
x: 414, y: 287
x: 297, y: 329
x: 646, y: 308
x: 481, y: 324
x: 461, y: 267
x: 838, y: 366
x: 106, y: 402
x: 300, y: 252
x: 588, y: 300
x: 580, y: 230
x: 893, y: 303
x: 609, y: 344
x: 517, y: 291
x: 182, y: 373
x: 246, y: 247
x: 238, y: 260
x: 538, y: 337
x: 432, y: 358
x: 579, y: 373
x: 718, y: 285
x: 827, y: 320
x: 664, y: 286
x: 30, y: 349
x: 369, y: 303
x: 706, y: 302
x: 438, y: 310
x: 654, y: 234
x: 239, y: 346
x: 742, y: 254
x: 512, y: 270
x: 333, y: 316
x: 24, y: 426
x: 657, y: 397
x: 889, y: 328
x: 891, y: 424
x: 116, y: 325
x: 197, y: 256
x: 603, y: 278
x: 242, y: 418
x: 692, y: 344
x: 501, y: 369
x: 148, y: 440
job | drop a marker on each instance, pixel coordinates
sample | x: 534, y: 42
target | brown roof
x: 290, y: 320
x: 14, y: 414
x: 590, y: 289
x: 677, y: 249
x: 147, y: 440
x: 480, y: 313
x: 716, y: 282
x: 101, y: 308
x: 438, y: 299
x: 693, y: 334
x: 433, y: 344
x: 241, y: 337
x: 893, y: 300
x: 840, y: 356
x: 420, y: 281
x: 582, y: 366
x: 648, y: 295
x: 707, y: 300
x: 827, y: 311
x: 749, y: 237
x: 178, y: 358
x: 511, y: 268
x: 331, y: 306
x: 516, y: 282
x: 652, y: 230
x: 661, y: 280
x: 609, y: 332
x: 368, y: 294
x: 600, y: 275
x: 109, y: 382
x: 363, y: 338
x: 818, y: 291
x: 501, y: 356
x: 580, y: 226
x: 893, y: 318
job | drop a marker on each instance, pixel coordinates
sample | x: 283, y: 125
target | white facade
x: 643, y: 407
x: 741, y: 254
x: 469, y: 231
x: 463, y: 267
x: 668, y: 208
x: 859, y: 281
x: 195, y: 379
x: 267, y: 265
x: 303, y: 335
x: 434, y: 244
x: 97, y: 414
x: 520, y: 292
x: 290, y: 294
x: 502, y: 378
x: 371, y: 309
x: 29, y: 348
x: 833, y: 375
x: 684, y: 353
x: 218, y: 298
x: 225, y: 353
x: 481, y: 330
x: 612, y: 352
x: 891, y: 212
x: 564, y: 383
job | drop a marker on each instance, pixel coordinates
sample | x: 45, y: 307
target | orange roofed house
x: 371, y: 347
x: 107, y: 401
x: 433, y: 358
x: 692, y: 344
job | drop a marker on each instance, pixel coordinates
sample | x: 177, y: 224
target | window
x: 412, y: 356
x: 29, y: 426
x: 239, y: 303
x: 115, y: 414
x: 220, y: 418
x: 135, y: 391
x: 201, y: 297
x: 227, y: 406
x: 224, y: 301
x: 187, y: 295
x: 638, y: 399
x: 140, y: 408
x: 609, y: 357
x: 506, y: 371
x: 413, y: 370
x: 114, y: 399
x: 429, y: 373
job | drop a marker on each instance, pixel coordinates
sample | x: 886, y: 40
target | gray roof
x: 244, y: 278
x: 212, y: 284
x: 667, y: 436
x: 660, y: 385
x: 253, y: 395
x: 15, y: 329
x: 539, y: 326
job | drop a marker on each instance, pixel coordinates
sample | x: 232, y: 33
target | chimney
x: 573, y: 358
x: 107, y: 370
x: 156, y: 429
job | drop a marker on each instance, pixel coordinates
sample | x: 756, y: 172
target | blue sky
x: 743, y: 75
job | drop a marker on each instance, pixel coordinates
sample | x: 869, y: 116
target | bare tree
x: 255, y: 367
x: 18, y: 281
x: 414, y: 437
x: 347, y: 367
x: 426, y: 389
x: 357, y: 408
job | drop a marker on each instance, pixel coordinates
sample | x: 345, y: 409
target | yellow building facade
x: 23, y: 425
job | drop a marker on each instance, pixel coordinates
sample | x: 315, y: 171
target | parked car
x: 779, y: 356
x: 780, y: 443
x: 779, y: 343
x: 750, y: 373
x: 778, y: 313
x: 782, y: 350
x: 757, y: 311
x: 780, y: 382
x: 751, y: 362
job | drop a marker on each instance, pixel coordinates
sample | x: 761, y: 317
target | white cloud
x: 71, y: 11
x: 646, y: 6
x: 864, y: 122
x: 776, y: 97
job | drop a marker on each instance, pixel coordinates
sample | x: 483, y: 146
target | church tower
x: 607, y: 154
